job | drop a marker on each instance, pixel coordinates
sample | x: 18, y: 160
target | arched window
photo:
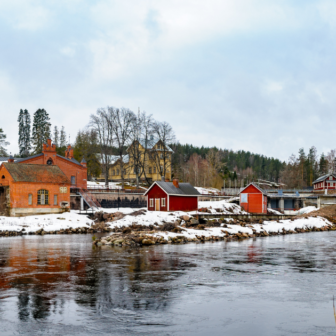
x: 50, y: 162
x: 43, y: 197
x: 30, y: 199
x: 3, y: 176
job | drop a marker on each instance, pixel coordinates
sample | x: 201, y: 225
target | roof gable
x: 253, y: 187
x: 324, y: 177
x: 36, y: 173
x: 185, y: 189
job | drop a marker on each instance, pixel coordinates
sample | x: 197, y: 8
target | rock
x: 147, y: 242
x: 127, y: 230
x: 185, y: 217
x: 194, y: 221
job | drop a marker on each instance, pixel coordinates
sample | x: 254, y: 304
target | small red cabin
x: 253, y: 199
x: 172, y: 196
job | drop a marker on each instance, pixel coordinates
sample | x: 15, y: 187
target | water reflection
x: 64, y: 281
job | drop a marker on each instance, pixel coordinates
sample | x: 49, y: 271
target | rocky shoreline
x: 138, y: 235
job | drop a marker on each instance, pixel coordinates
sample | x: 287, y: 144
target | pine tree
x: 62, y: 142
x: 3, y: 143
x: 41, y: 129
x: 24, y: 133
x: 56, y: 136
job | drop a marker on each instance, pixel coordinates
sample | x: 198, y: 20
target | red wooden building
x: 172, y: 196
x: 253, y: 199
x: 325, y: 182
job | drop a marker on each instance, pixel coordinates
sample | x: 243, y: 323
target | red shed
x: 253, y: 199
x: 172, y: 196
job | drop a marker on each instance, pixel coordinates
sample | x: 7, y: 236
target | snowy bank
x: 46, y: 222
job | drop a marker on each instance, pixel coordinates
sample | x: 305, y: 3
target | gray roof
x: 256, y: 186
x: 71, y: 160
x: 322, y: 178
x: 151, y: 143
x: 3, y: 159
x: 185, y: 189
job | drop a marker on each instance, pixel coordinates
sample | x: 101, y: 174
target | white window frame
x: 151, y: 202
x: 163, y: 202
x: 243, y: 198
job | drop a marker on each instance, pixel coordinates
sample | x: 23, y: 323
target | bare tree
x: 99, y: 123
x: 140, y: 137
x: 162, y: 153
x: 122, y: 127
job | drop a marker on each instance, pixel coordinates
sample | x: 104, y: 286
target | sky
x: 253, y: 75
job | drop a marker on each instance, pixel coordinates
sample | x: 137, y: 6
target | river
x: 61, y: 285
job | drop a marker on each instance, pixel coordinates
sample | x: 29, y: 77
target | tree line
x: 112, y: 130
x: 211, y: 166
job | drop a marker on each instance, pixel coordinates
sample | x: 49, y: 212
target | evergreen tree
x: 56, y: 136
x: 3, y: 143
x: 323, y: 165
x: 24, y: 133
x: 62, y: 142
x: 41, y: 129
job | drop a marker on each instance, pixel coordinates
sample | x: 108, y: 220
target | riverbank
x: 66, y: 223
x: 180, y: 233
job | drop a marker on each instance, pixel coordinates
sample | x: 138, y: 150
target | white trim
x: 163, y: 200
x: 184, y: 195
x: 153, y: 186
x: 255, y: 187
x: 168, y: 202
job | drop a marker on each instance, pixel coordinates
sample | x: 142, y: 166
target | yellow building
x: 151, y: 158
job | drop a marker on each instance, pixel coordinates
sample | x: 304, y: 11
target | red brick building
x: 253, y: 199
x: 172, y: 196
x: 40, y: 184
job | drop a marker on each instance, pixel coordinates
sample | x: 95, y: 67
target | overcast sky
x: 257, y: 75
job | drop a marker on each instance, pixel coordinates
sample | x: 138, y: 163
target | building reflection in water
x: 46, y: 273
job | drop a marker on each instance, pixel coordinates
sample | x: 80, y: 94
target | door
x: 157, y: 204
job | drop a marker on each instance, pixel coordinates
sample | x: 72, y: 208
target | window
x: 117, y: 171
x: 243, y: 198
x: 55, y: 200
x: 113, y: 172
x: 43, y: 197
x: 163, y: 202
x: 330, y: 178
x: 161, y: 156
x: 3, y: 176
x: 151, y: 202
x: 154, y: 170
x: 30, y: 199
x: 73, y: 179
x: 150, y: 170
x: 49, y: 162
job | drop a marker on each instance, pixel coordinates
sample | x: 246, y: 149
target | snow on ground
x: 270, y: 226
x: 224, y: 206
x: 93, y: 184
x: 274, y: 212
x: 207, y: 191
x: 306, y: 210
x: 45, y: 222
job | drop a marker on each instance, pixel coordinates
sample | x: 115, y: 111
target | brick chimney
x: 11, y: 159
x: 69, y: 152
x: 176, y: 183
x: 83, y: 163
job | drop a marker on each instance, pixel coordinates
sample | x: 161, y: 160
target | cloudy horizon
x: 250, y: 75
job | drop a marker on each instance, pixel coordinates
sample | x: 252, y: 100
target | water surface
x: 61, y: 285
